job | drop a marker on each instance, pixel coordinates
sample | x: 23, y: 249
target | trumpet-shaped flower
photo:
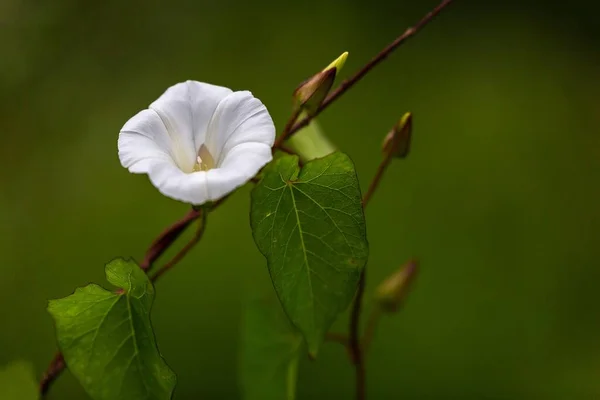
x: 198, y: 142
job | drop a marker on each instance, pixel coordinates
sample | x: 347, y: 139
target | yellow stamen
x: 204, y: 160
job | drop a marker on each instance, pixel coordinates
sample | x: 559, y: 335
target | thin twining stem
x: 354, y: 338
x: 166, y: 239
x: 370, y: 329
x: 355, y: 346
x: 348, y: 83
x: 377, y: 178
x: 354, y: 342
x: 285, y: 134
x: 57, y: 365
x: 185, y: 249
x: 367, y: 337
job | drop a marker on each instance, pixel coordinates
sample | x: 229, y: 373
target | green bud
x: 397, y: 141
x: 338, y: 63
x: 391, y: 292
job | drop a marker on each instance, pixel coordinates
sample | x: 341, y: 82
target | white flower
x: 198, y: 142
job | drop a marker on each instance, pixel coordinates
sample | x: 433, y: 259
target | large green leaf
x: 107, y: 338
x: 310, y: 226
x: 17, y: 382
x: 270, y: 352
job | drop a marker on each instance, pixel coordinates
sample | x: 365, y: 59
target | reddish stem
x: 184, y: 250
x: 382, y: 55
x: 287, y: 130
x: 377, y: 178
x: 355, y: 346
x: 166, y: 238
x: 57, y: 365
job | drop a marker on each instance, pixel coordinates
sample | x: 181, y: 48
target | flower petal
x: 186, y: 109
x: 176, y: 184
x: 239, y: 118
x: 241, y: 164
x: 202, y: 186
x: 142, y: 141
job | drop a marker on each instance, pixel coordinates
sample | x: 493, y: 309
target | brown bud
x: 391, y: 292
x: 311, y: 93
x: 397, y: 141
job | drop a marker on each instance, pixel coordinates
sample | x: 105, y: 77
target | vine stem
x: 370, y: 329
x: 377, y: 178
x: 166, y: 238
x: 57, y: 365
x: 197, y: 236
x: 382, y: 55
x: 287, y: 130
x: 354, y: 339
x: 357, y: 349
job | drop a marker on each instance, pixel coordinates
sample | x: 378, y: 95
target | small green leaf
x: 310, y: 142
x: 107, y: 338
x: 17, y: 382
x: 310, y: 226
x: 270, y: 352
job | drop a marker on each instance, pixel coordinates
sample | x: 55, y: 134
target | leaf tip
x: 51, y: 305
x: 313, y: 348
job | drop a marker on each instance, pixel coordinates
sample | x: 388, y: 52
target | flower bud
x: 310, y: 94
x: 391, y: 292
x: 397, y: 141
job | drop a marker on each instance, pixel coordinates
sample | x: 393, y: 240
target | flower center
x: 204, y: 160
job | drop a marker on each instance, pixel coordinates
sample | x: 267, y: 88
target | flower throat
x: 204, y: 160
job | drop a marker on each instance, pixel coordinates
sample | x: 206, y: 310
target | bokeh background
x: 499, y: 199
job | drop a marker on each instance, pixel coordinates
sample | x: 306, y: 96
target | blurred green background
x: 499, y: 198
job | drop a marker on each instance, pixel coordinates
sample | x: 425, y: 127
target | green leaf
x: 310, y: 226
x: 310, y: 142
x: 107, y: 338
x: 270, y: 352
x: 17, y: 382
